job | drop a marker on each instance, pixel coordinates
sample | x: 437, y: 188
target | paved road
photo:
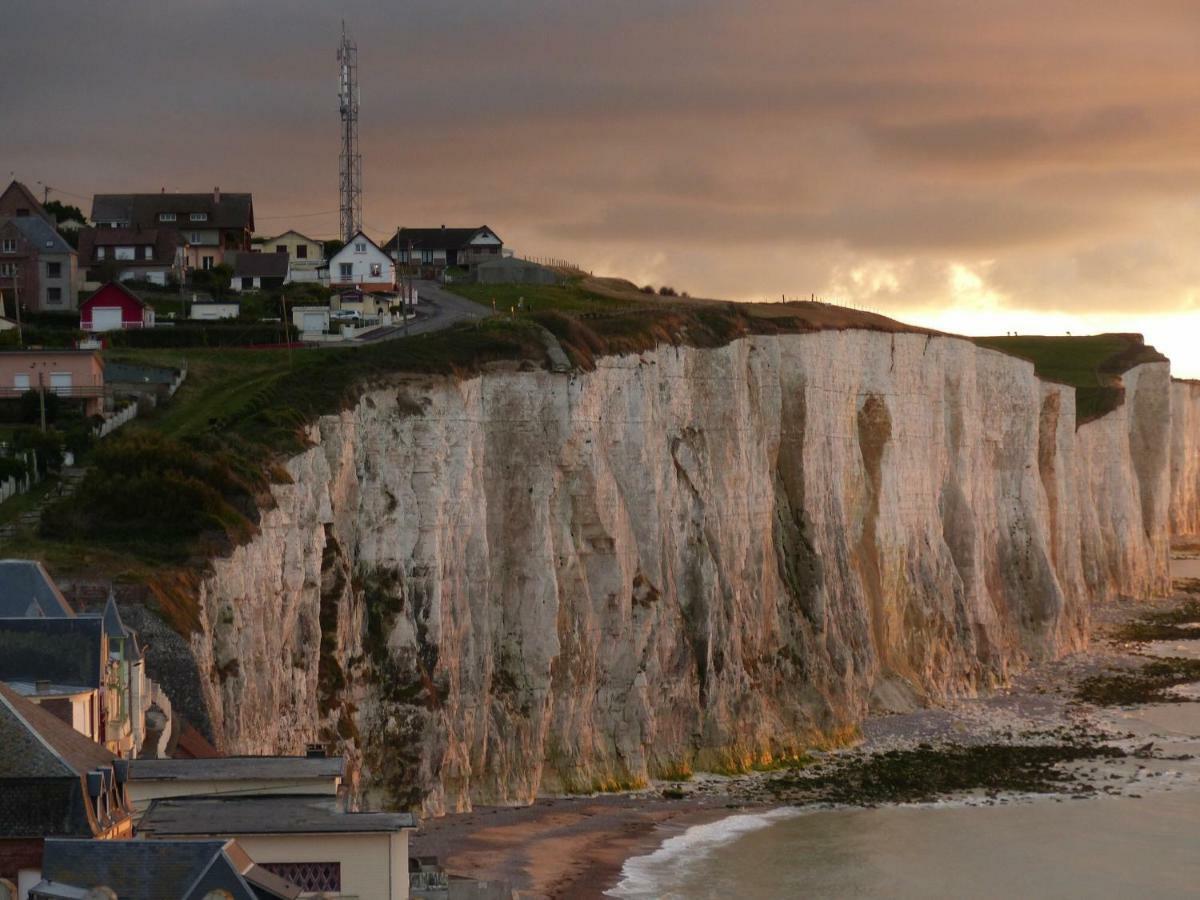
x: 439, y: 309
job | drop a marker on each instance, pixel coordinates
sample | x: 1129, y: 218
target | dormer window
x: 199, y: 217
x: 166, y: 217
x: 8, y: 245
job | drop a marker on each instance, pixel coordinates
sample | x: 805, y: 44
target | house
x: 362, y: 264
x: 114, y: 307
x: 259, y: 271
x: 230, y: 776
x: 440, y: 248
x: 70, y: 374
x: 306, y: 256
x: 369, y: 304
x: 37, y: 266
x: 308, y: 840
x: 62, y: 665
x: 152, y: 870
x: 53, y: 783
x: 156, y: 255
x: 17, y: 201
x: 212, y: 224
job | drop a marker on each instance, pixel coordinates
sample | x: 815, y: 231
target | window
x: 60, y: 382
x: 194, y: 237
x: 302, y: 251
x: 8, y: 270
x: 166, y: 217
x: 99, y: 253
x: 21, y: 382
x: 376, y: 270
x: 125, y: 253
x: 54, y: 295
x: 199, y: 217
x: 53, y: 270
x: 360, y: 246
x: 206, y: 262
x: 22, y: 213
x: 8, y: 245
x: 247, y: 283
x: 427, y: 256
x: 309, y: 876
x: 346, y: 271
x: 281, y: 248
x: 147, y: 252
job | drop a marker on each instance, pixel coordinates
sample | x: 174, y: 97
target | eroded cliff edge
x: 528, y: 581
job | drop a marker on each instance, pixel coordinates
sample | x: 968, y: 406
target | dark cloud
x: 746, y: 149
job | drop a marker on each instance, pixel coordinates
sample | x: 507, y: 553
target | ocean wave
x: 642, y: 876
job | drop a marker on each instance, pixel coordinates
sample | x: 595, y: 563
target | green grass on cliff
x: 1091, y: 364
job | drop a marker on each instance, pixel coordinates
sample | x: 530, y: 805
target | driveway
x: 438, y: 309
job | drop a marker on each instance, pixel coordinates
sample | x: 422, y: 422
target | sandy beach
x: 577, y: 846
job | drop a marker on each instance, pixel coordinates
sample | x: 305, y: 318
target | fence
x: 112, y: 423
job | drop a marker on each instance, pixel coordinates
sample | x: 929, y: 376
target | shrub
x: 667, y: 291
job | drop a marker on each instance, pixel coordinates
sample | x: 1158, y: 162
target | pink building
x: 71, y: 374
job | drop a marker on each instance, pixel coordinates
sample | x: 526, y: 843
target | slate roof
x: 40, y: 234
x: 279, y: 814
x: 237, y: 768
x: 64, y: 651
x: 435, y: 238
x: 154, y: 870
x: 260, y: 265
x: 38, y: 744
x: 232, y: 211
x: 164, y: 241
x: 26, y: 589
x: 114, y: 627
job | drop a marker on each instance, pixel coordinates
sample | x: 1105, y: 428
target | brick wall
x: 17, y: 854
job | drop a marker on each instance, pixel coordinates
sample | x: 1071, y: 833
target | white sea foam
x: 641, y: 876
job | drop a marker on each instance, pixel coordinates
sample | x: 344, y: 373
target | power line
x: 327, y: 212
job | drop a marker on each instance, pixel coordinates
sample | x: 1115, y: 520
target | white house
x: 362, y: 264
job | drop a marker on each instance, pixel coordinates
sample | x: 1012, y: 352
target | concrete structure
x: 114, y: 307
x: 259, y: 271
x: 53, y: 783
x: 70, y: 374
x: 306, y: 256
x: 440, y: 248
x: 36, y: 265
x: 157, y: 255
x: 154, y: 870
x: 511, y: 270
x: 309, y: 841
x: 213, y: 310
x: 212, y: 225
x: 231, y: 776
x: 362, y: 264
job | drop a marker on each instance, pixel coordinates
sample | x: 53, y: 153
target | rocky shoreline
x: 1047, y: 732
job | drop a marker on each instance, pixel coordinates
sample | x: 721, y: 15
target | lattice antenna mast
x: 350, y: 164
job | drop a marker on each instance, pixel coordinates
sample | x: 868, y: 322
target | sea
x: 1144, y: 843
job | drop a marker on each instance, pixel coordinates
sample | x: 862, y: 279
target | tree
x: 332, y: 246
x: 64, y: 212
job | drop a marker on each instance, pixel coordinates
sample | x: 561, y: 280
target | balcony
x: 74, y: 392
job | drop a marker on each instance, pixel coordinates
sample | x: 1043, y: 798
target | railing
x: 71, y: 392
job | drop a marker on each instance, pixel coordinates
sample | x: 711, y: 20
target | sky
x: 1014, y: 165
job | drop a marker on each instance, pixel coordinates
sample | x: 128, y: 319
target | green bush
x: 217, y: 335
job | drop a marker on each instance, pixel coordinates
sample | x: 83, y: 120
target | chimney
x: 43, y: 686
x: 443, y: 228
x: 216, y: 195
x: 164, y: 189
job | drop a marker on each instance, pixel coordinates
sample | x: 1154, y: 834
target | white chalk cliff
x: 530, y: 582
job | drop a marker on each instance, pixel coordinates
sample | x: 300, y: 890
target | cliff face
x: 530, y: 581
x: 1185, y: 458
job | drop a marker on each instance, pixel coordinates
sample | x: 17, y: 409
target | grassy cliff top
x: 1092, y: 364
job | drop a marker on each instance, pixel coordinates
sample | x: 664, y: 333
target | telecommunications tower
x: 350, y: 164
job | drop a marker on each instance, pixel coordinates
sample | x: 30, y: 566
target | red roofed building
x: 114, y: 307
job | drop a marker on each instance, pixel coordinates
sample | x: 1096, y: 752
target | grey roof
x: 264, y: 815
x: 114, y: 627
x: 41, y: 234
x: 237, y: 768
x: 435, y: 238
x: 232, y: 211
x: 38, y: 744
x: 26, y: 589
x: 155, y: 870
x: 130, y: 373
x: 65, y: 651
x: 260, y: 265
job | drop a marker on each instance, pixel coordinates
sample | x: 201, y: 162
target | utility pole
x: 42, y: 398
x: 287, y: 337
